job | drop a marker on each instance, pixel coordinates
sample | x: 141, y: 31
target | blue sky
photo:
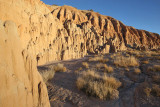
x: 141, y: 14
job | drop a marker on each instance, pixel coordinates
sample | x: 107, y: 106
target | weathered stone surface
x: 64, y: 32
x: 21, y: 85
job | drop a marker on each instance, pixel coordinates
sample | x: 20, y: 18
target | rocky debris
x: 21, y: 85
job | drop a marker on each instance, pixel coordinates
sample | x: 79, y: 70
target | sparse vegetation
x: 126, y: 61
x: 147, y: 91
x: 59, y: 68
x: 103, y: 87
x: 96, y: 58
x: 79, y: 69
x: 107, y: 68
x: 156, y: 90
x: 156, y: 78
x: 137, y: 71
x: 85, y: 64
x: 99, y: 65
x: 145, y: 62
x: 127, y: 69
x: 155, y: 68
x: 47, y: 74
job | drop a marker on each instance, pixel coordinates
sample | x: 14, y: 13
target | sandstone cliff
x: 21, y: 85
x: 64, y: 32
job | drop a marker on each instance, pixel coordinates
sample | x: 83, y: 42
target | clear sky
x: 141, y: 14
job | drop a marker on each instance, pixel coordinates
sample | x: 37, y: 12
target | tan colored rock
x: 21, y: 85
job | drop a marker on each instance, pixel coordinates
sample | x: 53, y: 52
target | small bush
x: 147, y: 91
x: 85, y: 64
x: 155, y: 68
x: 59, y: 68
x: 96, y: 58
x: 137, y: 71
x: 126, y: 61
x: 145, y: 62
x: 79, y: 69
x: 127, y: 69
x: 47, y: 74
x: 108, y: 69
x: 156, y: 90
x: 95, y: 85
x: 99, y: 65
x: 156, y: 78
x: 104, y: 60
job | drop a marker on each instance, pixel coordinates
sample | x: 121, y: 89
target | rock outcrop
x: 64, y: 32
x: 21, y: 85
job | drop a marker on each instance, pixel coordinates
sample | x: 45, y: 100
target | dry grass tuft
x: 145, y: 62
x: 156, y: 90
x: 79, y: 69
x: 96, y: 58
x: 59, y: 68
x: 104, y: 60
x: 95, y: 85
x: 147, y: 91
x: 126, y: 61
x: 85, y: 64
x: 47, y: 75
x: 107, y: 68
x: 156, y: 78
x: 99, y: 65
x: 155, y: 68
x: 137, y: 71
x: 127, y: 69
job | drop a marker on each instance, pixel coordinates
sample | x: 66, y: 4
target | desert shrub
x: 147, y: 91
x: 107, y: 68
x: 47, y: 74
x: 104, y: 60
x: 103, y: 87
x: 127, y: 69
x: 99, y: 65
x: 145, y: 62
x: 59, y: 68
x: 85, y: 64
x: 126, y: 61
x: 156, y: 90
x: 156, y: 78
x: 79, y: 69
x: 96, y: 58
x: 155, y: 68
x: 137, y: 71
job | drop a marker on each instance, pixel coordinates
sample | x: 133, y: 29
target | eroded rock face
x: 21, y: 85
x: 107, y: 29
x: 64, y: 32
